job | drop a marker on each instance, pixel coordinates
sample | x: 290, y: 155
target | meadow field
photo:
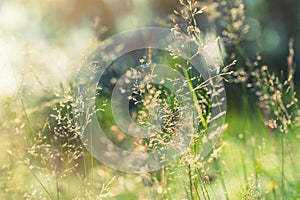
x: 144, y: 99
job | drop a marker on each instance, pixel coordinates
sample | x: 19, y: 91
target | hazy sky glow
x: 27, y: 43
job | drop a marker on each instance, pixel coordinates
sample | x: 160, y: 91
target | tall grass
x: 256, y: 157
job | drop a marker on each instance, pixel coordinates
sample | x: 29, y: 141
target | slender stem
x: 27, y: 118
x: 244, y: 168
x: 282, y: 166
x: 204, y: 188
x: 57, y: 189
x: 274, y: 194
x: 191, y: 181
x: 40, y: 182
x: 93, y: 171
x: 194, y: 96
x: 222, y: 179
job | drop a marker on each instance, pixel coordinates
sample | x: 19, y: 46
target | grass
x: 256, y: 156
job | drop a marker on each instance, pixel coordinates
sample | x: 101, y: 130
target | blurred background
x: 49, y: 38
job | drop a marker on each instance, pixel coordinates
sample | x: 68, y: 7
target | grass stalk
x: 282, y: 167
x: 40, y: 182
x: 222, y: 179
x: 57, y: 189
x: 191, y: 182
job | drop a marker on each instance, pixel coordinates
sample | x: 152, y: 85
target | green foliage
x: 257, y: 157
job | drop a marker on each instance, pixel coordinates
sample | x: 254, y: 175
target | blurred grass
x: 41, y: 53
